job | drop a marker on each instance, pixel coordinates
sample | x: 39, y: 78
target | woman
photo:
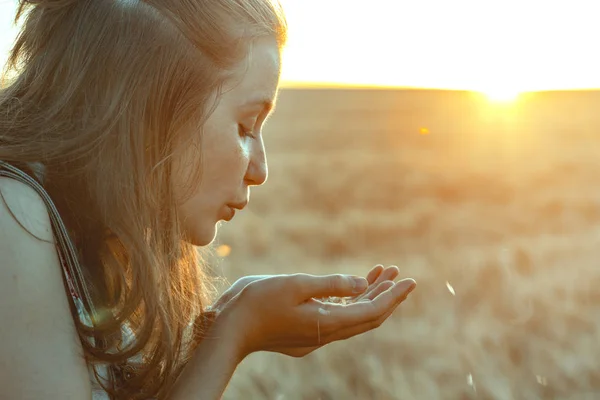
x: 128, y: 129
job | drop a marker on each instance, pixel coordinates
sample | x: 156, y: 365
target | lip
x: 230, y: 209
x: 229, y: 214
x: 238, y: 206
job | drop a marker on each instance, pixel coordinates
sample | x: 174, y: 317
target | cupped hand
x: 291, y: 314
x: 378, y: 278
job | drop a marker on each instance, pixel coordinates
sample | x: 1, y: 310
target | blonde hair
x: 101, y: 93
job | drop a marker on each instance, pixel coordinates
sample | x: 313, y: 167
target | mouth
x: 231, y: 209
x: 239, y: 205
x: 229, y: 214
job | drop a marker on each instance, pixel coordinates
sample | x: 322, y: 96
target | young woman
x: 128, y: 129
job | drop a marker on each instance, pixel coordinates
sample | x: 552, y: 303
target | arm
x: 217, y: 356
x: 40, y: 352
x: 287, y: 326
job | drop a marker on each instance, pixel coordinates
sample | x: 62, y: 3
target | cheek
x: 184, y: 172
x: 198, y: 217
x: 230, y: 160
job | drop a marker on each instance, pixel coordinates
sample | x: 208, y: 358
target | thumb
x: 338, y: 285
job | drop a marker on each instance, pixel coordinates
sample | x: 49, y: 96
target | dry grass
x: 501, y: 203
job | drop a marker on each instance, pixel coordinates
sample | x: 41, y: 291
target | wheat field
x: 494, y: 210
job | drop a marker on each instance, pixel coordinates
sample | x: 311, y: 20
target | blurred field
x: 502, y: 202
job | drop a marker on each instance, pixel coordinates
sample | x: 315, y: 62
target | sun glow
x: 464, y: 45
x: 497, y: 48
x: 502, y: 94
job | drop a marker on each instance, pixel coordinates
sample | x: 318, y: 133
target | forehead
x: 257, y: 76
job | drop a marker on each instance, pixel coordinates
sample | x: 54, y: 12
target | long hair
x: 103, y: 94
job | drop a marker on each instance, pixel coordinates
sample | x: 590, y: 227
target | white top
x: 98, y: 393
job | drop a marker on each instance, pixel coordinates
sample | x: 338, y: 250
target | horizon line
x: 287, y: 84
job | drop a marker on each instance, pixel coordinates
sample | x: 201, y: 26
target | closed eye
x: 244, y: 132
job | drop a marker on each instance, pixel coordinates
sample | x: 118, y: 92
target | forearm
x: 211, y: 367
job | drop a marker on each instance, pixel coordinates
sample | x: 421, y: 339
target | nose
x: 258, y: 170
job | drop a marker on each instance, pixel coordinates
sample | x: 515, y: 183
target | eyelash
x: 245, y: 132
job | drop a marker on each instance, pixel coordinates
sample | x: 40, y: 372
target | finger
x: 236, y: 287
x: 373, y: 291
x: 374, y: 274
x: 252, y: 278
x: 351, y: 331
x: 388, y: 274
x: 354, y: 330
x: 307, y: 286
x: 376, y: 291
x: 337, y: 316
x: 397, y: 292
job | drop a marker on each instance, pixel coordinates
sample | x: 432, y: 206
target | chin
x: 203, y: 237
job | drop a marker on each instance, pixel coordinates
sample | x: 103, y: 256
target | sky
x: 485, y: 45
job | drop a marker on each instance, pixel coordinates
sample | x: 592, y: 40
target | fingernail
x: 359, y: 284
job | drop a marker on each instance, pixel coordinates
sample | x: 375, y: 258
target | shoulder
x: 40, y: 343
x: 21, y: 204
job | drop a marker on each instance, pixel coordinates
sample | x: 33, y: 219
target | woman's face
x: 232, y: 155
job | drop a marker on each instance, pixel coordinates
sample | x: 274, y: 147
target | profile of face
x: 232, y: 151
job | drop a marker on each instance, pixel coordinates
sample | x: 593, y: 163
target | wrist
x: 228, y: 329
x: 214, y: 361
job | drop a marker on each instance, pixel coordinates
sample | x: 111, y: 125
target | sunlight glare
x: 502, y: 94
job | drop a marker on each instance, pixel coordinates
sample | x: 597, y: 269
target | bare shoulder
x: 26, y: 207
x: 40, y: 352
